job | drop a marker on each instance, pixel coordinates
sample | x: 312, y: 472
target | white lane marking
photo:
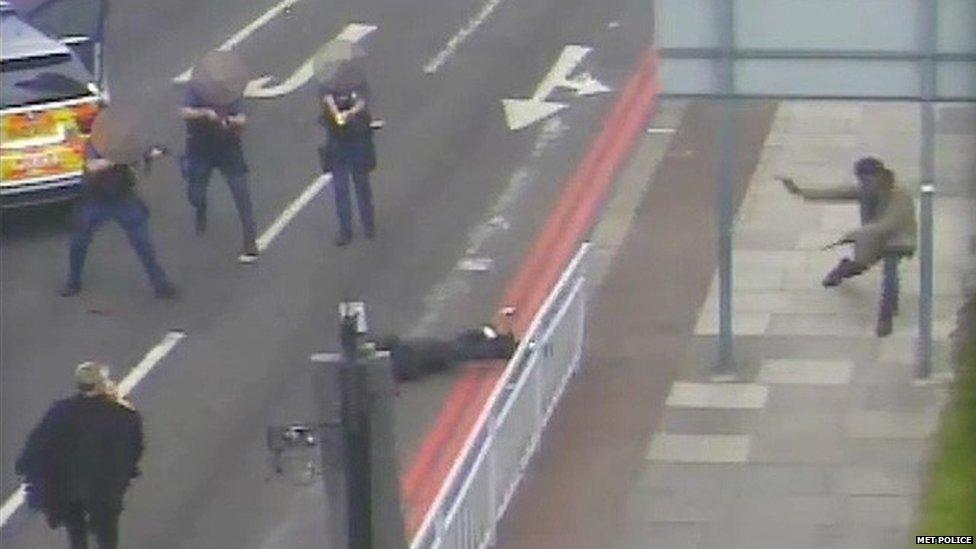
x: 239, y: 37
x: 660, y: 130
x: 436, y: 62
x: 148, y: 362
x: 292, y: 210
x: 259, y: 87
x: 12, y: 504
x: 456, y: 283
x: 521, y: 113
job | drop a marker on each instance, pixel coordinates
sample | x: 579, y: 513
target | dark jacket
x: 84, y: 449
x: 117, y: 182
x: 350, y: 144
x: 415, y: 358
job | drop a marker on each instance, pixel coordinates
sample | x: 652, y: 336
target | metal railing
x: 483, y: 479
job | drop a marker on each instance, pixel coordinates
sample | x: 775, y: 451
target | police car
x: 51, y: 91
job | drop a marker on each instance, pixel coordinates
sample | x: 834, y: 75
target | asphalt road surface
x: 453, y: 180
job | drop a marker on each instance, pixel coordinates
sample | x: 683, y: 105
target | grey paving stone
x: 867, y: 480
x: 806, y: 372
x: 898, y: 397
x: 839, y: 325
x: 860, y: 536
x: 885, y: 451
x: 710, y: 422
x: 771, y: 479
x: 881, y: 424
x: 717, y: 395
x: 797, y: 450
x: 790, y: 509
x: 692, y: 477
x: 822, y: 425
x: 661, y: 535
x: 759, y: 535
x: 675, y: 505
x: 884, y: 372
x: 669, y: 447
x: 800, y: 399
x: 879, y: 510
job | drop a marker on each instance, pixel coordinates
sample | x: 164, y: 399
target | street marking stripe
x: 148, y: 362
x: 239, y: 37
x: 442, y: 56
x: 292, y: 210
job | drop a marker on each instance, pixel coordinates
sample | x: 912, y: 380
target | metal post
x: 332, y: 446
x: 929, y: 82
x: 725, y: 365
x: 355, y: 423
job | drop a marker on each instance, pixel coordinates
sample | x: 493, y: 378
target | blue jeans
x: 198, y: 172
x: 341, y: 174
x: 132, y: 215
x: 889, y: 285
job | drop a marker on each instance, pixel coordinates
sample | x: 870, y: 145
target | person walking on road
x: 108, y: 193
x: 78, y: 462
x: 213, y: 111
x: 349, y: 152
x: 887, y: 233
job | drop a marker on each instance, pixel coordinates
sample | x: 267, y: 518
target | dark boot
x: 885, y: 325
x: 200, y: 223
x: 845, y: 269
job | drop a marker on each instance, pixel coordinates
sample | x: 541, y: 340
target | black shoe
x: 70, y: 290
x: 165, y: 291
x: 343, y: 240
x: 200, y: 224
x: 845, y: 269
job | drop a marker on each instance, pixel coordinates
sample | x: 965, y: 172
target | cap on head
x: 91, y: 376
x: 868, y: 165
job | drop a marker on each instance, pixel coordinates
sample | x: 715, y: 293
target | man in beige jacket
x: 887, y: 232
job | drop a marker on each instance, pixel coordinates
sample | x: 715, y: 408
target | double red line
x: 553, y: 248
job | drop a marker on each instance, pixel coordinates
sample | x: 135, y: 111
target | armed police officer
x: 887, y: 233
x: 108, y: 193
x: 214, y: 115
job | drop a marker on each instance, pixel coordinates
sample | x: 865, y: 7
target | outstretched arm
x: 835, y: 193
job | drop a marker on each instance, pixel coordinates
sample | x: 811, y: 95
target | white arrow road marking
x: 135, y: 375
x: 521, y: 113
x: 259, y: 88
x: 442, y: 56
x: 239, y: 37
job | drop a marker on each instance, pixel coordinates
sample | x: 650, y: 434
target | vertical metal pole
x: 726, y: 192
x: 929, y: 82
x: 356, y: 434
x: 332, y: 445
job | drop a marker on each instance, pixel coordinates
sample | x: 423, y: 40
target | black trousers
x: 98, y: 517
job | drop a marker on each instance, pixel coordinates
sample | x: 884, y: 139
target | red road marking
x: 553, y: 248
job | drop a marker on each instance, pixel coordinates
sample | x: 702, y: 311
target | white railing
x: 491, y: 464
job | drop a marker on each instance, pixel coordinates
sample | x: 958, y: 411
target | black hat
x: 868, y: 165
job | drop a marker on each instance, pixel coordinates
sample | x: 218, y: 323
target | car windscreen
x: 33, y: 63
x: 38, y: 79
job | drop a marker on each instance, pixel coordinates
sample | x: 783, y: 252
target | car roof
x: 20, y: 40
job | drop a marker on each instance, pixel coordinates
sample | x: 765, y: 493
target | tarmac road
x: 452, y: 179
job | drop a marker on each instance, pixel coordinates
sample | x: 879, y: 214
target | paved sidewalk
x: 826, y: 443
x: 825, y: 440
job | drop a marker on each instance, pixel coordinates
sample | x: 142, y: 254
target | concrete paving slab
x: 788, y: 509
x: 758, y: 535
x: 690, y: 421
x: 797, y: 480
x: 861, y: 536
x: 878, y: 510
x: 821, y: 426
x: 692, y: 477
x: 806, y: 372
x: 885, y: 451
x: 663, y: 535
x: 881, y: 424
x: 797, y: 450
x: 674, y: 506
x: 812, y: 399
x: 717, y: 395
x: 669, y: 447
x: 744, y: 323
x: 876, y: 480
x: 840, y: 325
x: 898, y: 398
